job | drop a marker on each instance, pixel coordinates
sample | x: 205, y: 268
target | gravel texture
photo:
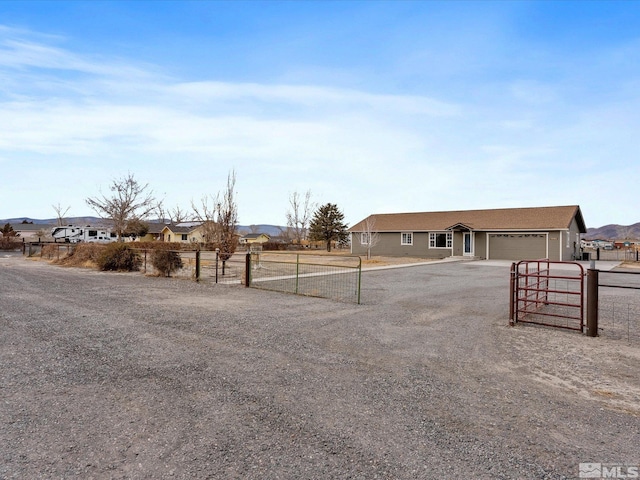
x: 107, y: 375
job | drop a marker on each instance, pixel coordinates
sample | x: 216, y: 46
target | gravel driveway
x: 109, y: 375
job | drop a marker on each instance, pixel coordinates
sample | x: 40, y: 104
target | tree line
x: 128, y: 204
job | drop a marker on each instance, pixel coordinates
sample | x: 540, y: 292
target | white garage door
x: 517, y: 246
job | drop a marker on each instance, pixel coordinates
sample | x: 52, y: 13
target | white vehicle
x: 74, y: 234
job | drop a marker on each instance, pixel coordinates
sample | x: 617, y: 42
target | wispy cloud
x: 518, y: 141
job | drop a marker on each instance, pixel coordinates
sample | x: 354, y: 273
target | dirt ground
x: 108, y: 375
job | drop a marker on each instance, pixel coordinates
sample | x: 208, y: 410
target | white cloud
x: 100, y: 117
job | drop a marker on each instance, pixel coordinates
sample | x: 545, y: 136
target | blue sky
x: 375, y: 106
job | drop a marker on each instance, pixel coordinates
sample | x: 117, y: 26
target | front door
x: 467, y: 240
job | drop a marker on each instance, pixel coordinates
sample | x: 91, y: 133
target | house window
x: 440, y: 240
x: 365, y: 238
x: 185, y: 237
x: 406, y: 238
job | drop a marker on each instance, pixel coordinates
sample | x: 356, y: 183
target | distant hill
x: 53, y: 221
x: 271, y: 230
x: 614, y: 232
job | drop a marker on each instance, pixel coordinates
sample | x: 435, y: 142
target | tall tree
x: 299, y: 215
x: 219, y: 217
x: 227, y: 213
x: 328, y: 225
x: 129, y: 201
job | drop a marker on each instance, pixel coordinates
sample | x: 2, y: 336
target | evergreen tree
x: 328, y: 225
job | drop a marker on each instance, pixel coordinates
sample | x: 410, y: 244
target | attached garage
x: 498, y: 234
x: 516, y: 246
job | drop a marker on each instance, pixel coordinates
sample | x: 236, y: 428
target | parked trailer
x: 75, y: 234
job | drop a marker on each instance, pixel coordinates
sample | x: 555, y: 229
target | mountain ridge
x: 605, y: 232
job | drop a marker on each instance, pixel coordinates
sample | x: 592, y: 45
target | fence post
x: 512, y: 295
x: 592, y: 303
x: 197, y: 265
x: 297, y: 270
x: 217, y: 257
x: 247, y: 270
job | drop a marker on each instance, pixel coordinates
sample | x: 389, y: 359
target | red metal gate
x: 547, y: 293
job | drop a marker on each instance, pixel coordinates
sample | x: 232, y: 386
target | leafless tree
x: 285, y: 234
x: 60, y: 213
x: 129, y: 200
x: 175, y: 215
x: 205, y: 213
x: 178, y: 215
x: 369, y: 236
x: 219, y: 217
x: 228, y: 219
x: 299, y: 215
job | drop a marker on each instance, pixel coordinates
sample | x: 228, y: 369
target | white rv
x: 74, y: 234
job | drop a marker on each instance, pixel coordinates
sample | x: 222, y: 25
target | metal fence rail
x: 338, y: 278
x: 548, y: 293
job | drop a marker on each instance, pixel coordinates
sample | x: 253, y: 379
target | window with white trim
x: 440, y: 240
x: 365, y: 238
x: 406, y: 238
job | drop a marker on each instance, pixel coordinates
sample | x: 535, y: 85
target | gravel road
x: 107, y: 375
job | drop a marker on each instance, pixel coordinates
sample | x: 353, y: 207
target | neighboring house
x: 250, y: 238
x: 154, y: 233
x: 506, y: 234
x: 32, y: 232
x: 191, y: 232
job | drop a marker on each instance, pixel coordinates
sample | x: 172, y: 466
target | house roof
x: 535, y: 218
x: 186, y: 227
x: 250, y: 236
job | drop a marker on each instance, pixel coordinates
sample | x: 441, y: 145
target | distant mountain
x: 614, y: 232
x: 54, y: 221
x: 271, y: 230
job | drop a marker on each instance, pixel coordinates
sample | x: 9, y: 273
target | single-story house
x: 506, y: 234
x: 191, y: 232
x: 250, y: 238
x: 32, y: 232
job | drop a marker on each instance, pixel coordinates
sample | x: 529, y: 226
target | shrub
x: 119, y: 257
x: 81, y: 255
x: 9, y: 243
x: 166, y: 261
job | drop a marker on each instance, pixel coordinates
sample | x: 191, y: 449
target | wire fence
x: 627, y: 254
x: 201, y: 265
x: 619, y: 306
x: 337, y: 278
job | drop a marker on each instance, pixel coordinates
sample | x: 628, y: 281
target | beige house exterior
x: 505, y: 234
x: 250, y: 238
x: 188, y: 232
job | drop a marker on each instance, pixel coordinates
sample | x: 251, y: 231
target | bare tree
x: 129, y: 201
x: 178, y: 215
x: 299, y: 215
x: 369, y: 236
x: 206, y: 215
x: 175, y: 215
x: 219, y: 217
x: 60, y: 213
x: 228, y: 219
